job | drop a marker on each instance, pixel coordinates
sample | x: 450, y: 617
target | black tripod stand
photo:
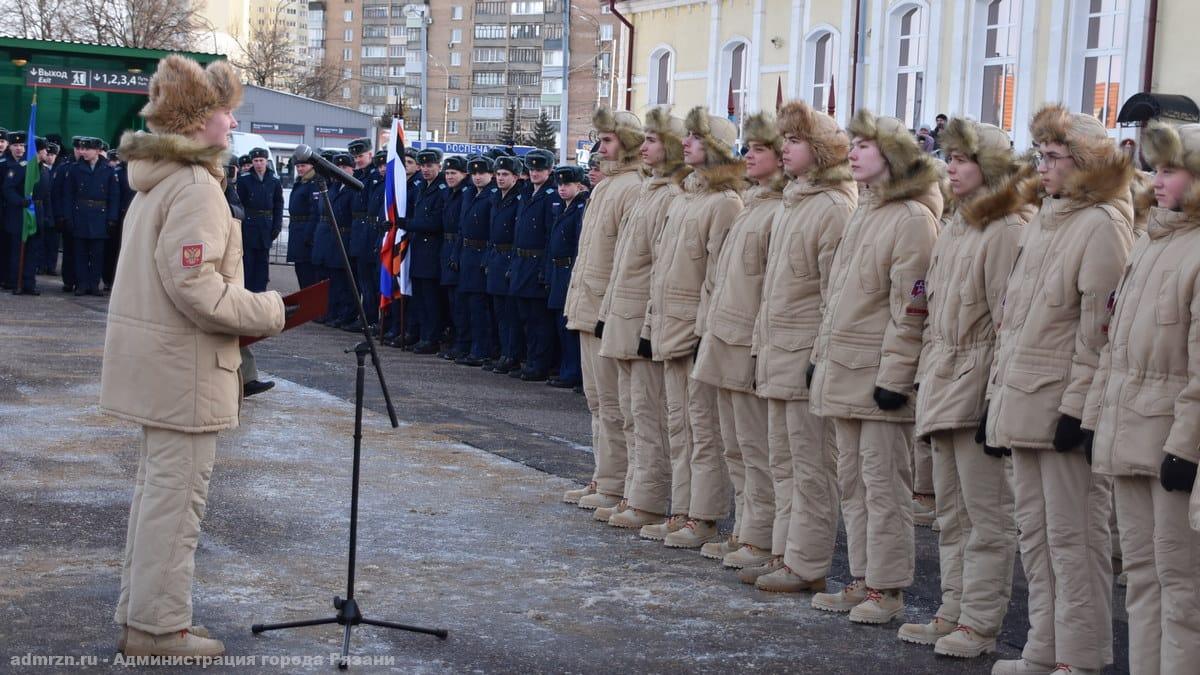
x: 348, y: 613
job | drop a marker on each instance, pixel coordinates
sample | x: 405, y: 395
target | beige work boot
x: 747, y: 555
x: 784, y: 580
x: 965, y: 644
x: 196, y: 630
x: 925, y: 633
x: 1019, y: 667
x: 924, y: 510
x: 844, y: 600
x: 177, y: 643
x: 749, y: 575
x: 602, y: 514
x: 717, y: 550
x: 660, y: 531
x: 573, y: 496
x: 694, y: 534
x: 635, y: 518
x: 879, y: 607
x: 598, y: 501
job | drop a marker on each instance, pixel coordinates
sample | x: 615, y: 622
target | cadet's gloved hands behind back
x: 808, y: 375
x: 1177, y: 473
x: 644, y: 349
x: 981, y: 438
x: 889, y: 400
x: 598, y: 331
x: 1069, y: 434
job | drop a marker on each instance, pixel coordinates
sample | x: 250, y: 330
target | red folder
x: 313, y: 302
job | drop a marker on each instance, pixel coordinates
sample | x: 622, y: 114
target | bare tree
x: 320, y: 80
x: 40, y: 19
x: 149, y: 24
x: 268, y: 56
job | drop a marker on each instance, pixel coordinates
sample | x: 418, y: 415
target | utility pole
x: 565, y: 110
x: 425, y: 20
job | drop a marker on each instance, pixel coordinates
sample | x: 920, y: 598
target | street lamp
x: 445, y: 96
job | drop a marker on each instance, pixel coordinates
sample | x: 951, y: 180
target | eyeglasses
x: 1050, y: 160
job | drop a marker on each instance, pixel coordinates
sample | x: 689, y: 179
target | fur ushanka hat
x: 717, y: 133
x: 912, y: 171
x: 1179, y: 146
x: 625, y: 126
x: 670, y: 130
x: 183, y: 96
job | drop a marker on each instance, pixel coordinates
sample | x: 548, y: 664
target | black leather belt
x: 95, y: 203
x: 476, y: 244
x: 450, y: 236
x: 563, y: 262
x: 502, y: 248
x: 358, y: 214
x: 530, y: 252
x: 261, y: 214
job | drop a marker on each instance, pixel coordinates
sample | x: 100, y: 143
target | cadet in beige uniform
x: 965, y: 284
x: 725, y: 359
x: 643, y: 389
x: 1054, y: 324
x: 865, y: 360
x: 171, y: 348
x: 620, y: 140
x: 1145, y: 407
x: 808, y: 226
x: 684, y: 260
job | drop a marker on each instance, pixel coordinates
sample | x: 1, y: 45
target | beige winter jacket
x: 871, y: 331
x: 967, y: 277
x: 1145, y: 400
x: 685, y: 258
x: 171, y: 349
x: 1055, y: 316
x: 624, y: 309
x: 725, y: 359
x: 808, y: 227
x: 602, y: 220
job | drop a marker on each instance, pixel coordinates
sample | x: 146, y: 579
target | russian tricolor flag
x: 393, y: 253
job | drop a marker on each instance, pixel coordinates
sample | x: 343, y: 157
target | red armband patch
x: 192, y: 255
x: 916, y: 311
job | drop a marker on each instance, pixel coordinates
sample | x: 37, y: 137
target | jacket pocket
x: 968, y: 290
x: 1030, y: 381
x: 798, y: 258
x: 849, y: 379
x: 1152, y: 402
x: 752, y: 262
x: 226, y: 391
x: 1054, y: 287
x: 680, y: 310
x: 1166, y: 309
x: 868, y: 272
x: 695, y: 249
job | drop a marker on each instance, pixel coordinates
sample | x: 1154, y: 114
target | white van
x: 242, y: 143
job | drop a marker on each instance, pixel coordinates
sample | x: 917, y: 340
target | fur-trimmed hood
x: 985, y: 144
x: 152, y: 157
x: 717, y: 133
x: 183, y: 96
x: 827, y: 142
x: 1083, y: 135
x: 627, y: 128
x: 761, y: 128
x: 670, y: 130
x: 1016, y: 192
x: 913, y: 173
x: 717, y: 178
x: 1163, y: 144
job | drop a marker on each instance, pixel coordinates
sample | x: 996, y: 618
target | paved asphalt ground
x: 461, y: 527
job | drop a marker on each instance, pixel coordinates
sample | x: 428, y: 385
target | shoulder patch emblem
x: 918, y: 289
x: 192, y: 255
x: 549, y: 191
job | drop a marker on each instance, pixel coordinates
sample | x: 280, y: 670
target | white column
x: 754, y: 72
x: 1057, y: 44
x: 933, y: 63
x: 794, y: 46
x: 1026, y: 69
x: 714, y: 56
x: 845, y: 64
x: 962, y: 60
x: 876, y: 89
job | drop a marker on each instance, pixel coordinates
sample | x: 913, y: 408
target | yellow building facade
x: 992, y: 60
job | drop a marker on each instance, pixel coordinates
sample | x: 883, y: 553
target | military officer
x: 245, y: 165
x: 363, y: 242
x: 567, y: 217
x: 455, y: 171
x: 22, y: 263
x: 114, y: 237
x: 425, y: 231
x: 505, y: 204
x: 528, y: 284
x: 4, y: 166
x: 474, y: 228
x: 262, y: 197
x: 403, y: 331
x: 62, y: 216
x: 375, y: 212
x: 327, y: 255
x: 93, y: 198
x: 48, y: 260
x: 303, y: 215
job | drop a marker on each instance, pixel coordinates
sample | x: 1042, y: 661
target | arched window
x: 734, y: 80
x: 821, y: 57
x: 661, y: 75
x: 1105, y: 29
x: 1001, y: 40
x: 910, y: 44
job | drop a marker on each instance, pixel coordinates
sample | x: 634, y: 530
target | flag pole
x: 30, y: 142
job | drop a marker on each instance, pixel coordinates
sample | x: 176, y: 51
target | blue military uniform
x: 560, y: 259
x: 113, y: 249
x: 460, y: 319
x: 499, y: 259
x: 14, y: 221
x: 4, y: 244
x: 62, y: 217
x: 262, y: 198
x: 328, y: 256
x: 474, y: 228
x: 364, y: 242
x: 303, y: 215
x: 413, y: 186
x: 528, y: 284
x: 93, y: 200
x: 425, y: 242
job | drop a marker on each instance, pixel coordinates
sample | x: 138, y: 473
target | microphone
x: 305, y: 155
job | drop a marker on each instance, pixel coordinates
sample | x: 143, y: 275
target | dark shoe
x: 425, y: 348
x: 502, y: 366
x: 487, y: 365
x: 563, y: 384
x: 411, y: 340
x: 67, y: 289
x: 351, y: 326
x: 533, y: 376
x: 256, y: 387
x: 578, y: 388
x: 388, y: 337
x: 468, y: 360
x: 79, y: 292
x: 96, y: 292
x: 321, y: 320
x: 449, y: 354
x: 517, y: 370
x: 28, y: 291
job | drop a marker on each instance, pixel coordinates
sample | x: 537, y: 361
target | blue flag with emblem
x: 32, y: 175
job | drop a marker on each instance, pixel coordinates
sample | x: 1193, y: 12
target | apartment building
x: 232, y: 25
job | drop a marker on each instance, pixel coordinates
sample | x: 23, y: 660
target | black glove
x: 808, y: 375
x: 1176, y: 473
x: 644, y: 349
x: 453, y: 266
x: 599, y: 330
x: 889, y: 400
x: 1068, y: 435
x: 1089, y: 438
x: 981, y: 438
x: 696, y: 354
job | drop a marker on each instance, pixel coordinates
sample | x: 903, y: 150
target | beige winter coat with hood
x: 171, y: 348
x: 871, y: 330
x: 808, y: 227
x: 1056, y: 307
x: 967, y: 277
x: 1145, y: 400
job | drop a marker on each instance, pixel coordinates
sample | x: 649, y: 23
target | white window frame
x: 456, y: 13
x: 455, y: 59
x: 654, y: 96
x: 808, y: 83
x: 456, y: 36
x: 742, y: 99
x: 893, y: 70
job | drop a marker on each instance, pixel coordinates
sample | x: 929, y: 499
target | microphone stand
x: 348, y: 613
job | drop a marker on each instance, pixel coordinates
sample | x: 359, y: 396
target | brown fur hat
x: 183, y: 96
x: 761, y: 128
x: 625, y: 125
x: 718, y: 134
x: 670, y: 130
x: 828, y: 143
x: 1084, y: 135
x: 1167, y: 145
x: 912, y: 171
x: 985, y: 144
